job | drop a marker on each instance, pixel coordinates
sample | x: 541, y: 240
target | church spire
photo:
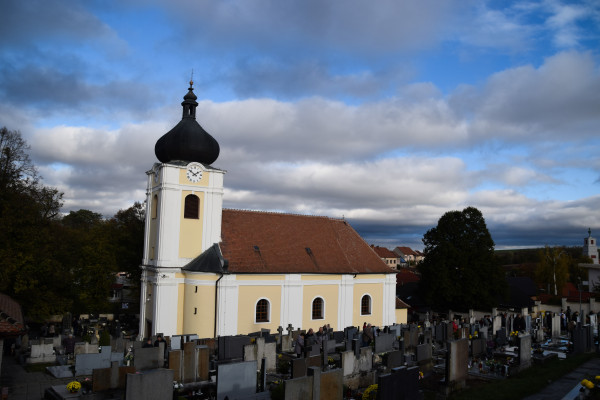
x: 187, y: 141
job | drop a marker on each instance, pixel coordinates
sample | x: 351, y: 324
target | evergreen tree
x: 459, y: 270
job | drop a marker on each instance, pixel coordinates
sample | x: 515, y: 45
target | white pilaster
x: 227, y: 306
x: 345, y: 301
x: 165, y: 303
x: 389, y: 299
x: 291, y: 301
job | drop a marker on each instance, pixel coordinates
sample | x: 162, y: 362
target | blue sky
x: 386, y: 113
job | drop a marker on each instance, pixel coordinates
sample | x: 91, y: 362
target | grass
x: 525, y: 383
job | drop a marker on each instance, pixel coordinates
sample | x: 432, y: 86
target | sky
x: 387, y: 113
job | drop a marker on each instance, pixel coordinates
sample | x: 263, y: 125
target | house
x: 406, y: 253
x: 590, y: 249
x: 12, y: 323
x: 213, y: 272
x: 389, y: 257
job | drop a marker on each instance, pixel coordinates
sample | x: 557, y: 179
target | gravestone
x: 331, y: 384
x: 384, y: 342
x: 594, y: 323
x: 41, y: 353
x: 394, y: 359
x: 313, y: 361
x: 202, y: 363
x: 86, y: 363
x: 524, y: 343
x: 298, y: 388
x: 457, y: 361
x: 556, y: 326
x: 424, y: 352
x: 114, y: 377
x: 147, y: 358
x: 478, y: 347
x: 496, y: 323
x: 365, y: 361
x: 236, y: 380
x: 349, y: 363
x: 189, y: 362
x: 298, y: 367
x: 501, y: 337
x: 328, y: 347
x: 286, y: 343
x: 176, y: 364
x: 156, y: 384
x: 232, y: 347
x: 338, y: 336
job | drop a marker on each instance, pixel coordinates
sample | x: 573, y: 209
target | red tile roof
x: 264, y: 242
x: 407, y: 251
x: 405, y: 276
x: 400, y: 304
x: 383, y: 252
x: 11, y: 317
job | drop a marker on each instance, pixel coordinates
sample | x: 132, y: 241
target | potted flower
x: 73, y: 387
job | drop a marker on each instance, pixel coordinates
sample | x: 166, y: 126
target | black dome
x: 187, y: 141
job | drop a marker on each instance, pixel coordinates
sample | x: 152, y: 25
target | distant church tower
x: 590, y: 247
x: 184, y: 199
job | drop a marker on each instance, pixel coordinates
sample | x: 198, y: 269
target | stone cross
x: 290, y: 328
x: 280, y: 330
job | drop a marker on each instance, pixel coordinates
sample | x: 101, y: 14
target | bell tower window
x: 192, y: 207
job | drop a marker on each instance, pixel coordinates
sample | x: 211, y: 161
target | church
x: 214, y: 272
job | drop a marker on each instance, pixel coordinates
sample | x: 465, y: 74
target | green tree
x: 459, y: 270
x: 553, y: 269
x: 28, y: 212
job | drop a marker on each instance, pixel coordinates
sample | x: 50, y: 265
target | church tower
x: 184, y: 198
x: 590, y: 247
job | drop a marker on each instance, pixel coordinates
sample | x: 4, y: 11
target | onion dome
x: 187, y: 141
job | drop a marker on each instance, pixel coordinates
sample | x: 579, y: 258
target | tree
x: 459, y: 270
x: 553, y: 269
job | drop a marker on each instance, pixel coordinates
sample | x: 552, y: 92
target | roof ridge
x: 286, y: 213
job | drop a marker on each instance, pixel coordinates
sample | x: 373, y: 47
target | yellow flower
x: 367, y: 393
x: 73, y: 387
x: 587, y: 384
x: 598, y: 377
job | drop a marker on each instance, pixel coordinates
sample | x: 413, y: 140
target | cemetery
x: 437, y: 356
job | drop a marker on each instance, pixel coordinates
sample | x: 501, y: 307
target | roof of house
x: 407, y: 251
x: 11, y: 317
x: 266, y: 242
x: 384, y: 252
x: 400, y: 304
x: 406, y: 276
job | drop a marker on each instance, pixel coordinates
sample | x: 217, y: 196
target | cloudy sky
x: 387, y: 113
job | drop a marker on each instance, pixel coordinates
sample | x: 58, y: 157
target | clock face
x: 194, y: 173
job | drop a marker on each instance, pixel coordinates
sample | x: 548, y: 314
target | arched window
x: 317, y: 308
x: 192, y: 207
x: 262, y: 310
x: 365, y: 305
x: 154, y: 206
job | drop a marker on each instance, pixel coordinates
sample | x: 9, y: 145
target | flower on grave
x: 470, y: 337
x: 587, y: 384
x: 252, y: 340
x: 73, y: 387
x: 370, y: 393
x: 330, y: 360
x: 598, y: 377
x: 177, y: 385
x: 421, y: 375
x: 476, y: 333
x: 279, y: 355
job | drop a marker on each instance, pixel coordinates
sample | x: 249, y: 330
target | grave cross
x: 290, y: 328
x: 280, y: 330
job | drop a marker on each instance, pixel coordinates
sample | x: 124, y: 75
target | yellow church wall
x: 321, y: 277
x: 183, y: 180
x: 190, y: 231
x: 329, y: 294
x: 401, y: 315
x: 375, y: 290
x: 253, y: 277
x: 248, y: 296
x: 198, y: 310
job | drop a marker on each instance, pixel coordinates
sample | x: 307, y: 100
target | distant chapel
x: 215, y: 272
